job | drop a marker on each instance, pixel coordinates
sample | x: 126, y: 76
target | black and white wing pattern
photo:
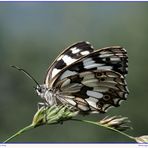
x: 67, y: 57
x: 94, y: 82
x: 109, y: 58
x: 93, y: 91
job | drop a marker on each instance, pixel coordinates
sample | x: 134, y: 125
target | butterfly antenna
x: 26, y: 73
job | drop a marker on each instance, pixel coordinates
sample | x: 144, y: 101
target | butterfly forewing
x: 67, y: 57
x: 109, y: 58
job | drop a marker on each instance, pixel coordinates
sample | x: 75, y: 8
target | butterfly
x: 89, y: 80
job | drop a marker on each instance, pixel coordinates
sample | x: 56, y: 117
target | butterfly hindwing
x: 67, y: 57
x: 93, y: 91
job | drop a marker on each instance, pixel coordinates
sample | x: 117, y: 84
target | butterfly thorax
x: 46, y: 93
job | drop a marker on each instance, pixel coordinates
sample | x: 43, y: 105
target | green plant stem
x: 20, y: 132
x: 86, y: 121
x: 107, y: 127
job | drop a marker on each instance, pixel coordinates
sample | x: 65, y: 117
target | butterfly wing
x: 95, y: 82
x: 67, y: 57
x: 93, y: 91
x: 110, y: 58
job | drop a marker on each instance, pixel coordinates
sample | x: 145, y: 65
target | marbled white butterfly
x: 87, y: 79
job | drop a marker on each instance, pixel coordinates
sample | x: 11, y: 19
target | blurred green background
x: 32, y: 34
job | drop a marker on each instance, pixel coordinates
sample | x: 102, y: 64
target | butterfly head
x: 46, y: 93
x: 41, y: 90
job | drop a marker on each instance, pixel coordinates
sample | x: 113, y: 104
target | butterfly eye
x: 39, y: 89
